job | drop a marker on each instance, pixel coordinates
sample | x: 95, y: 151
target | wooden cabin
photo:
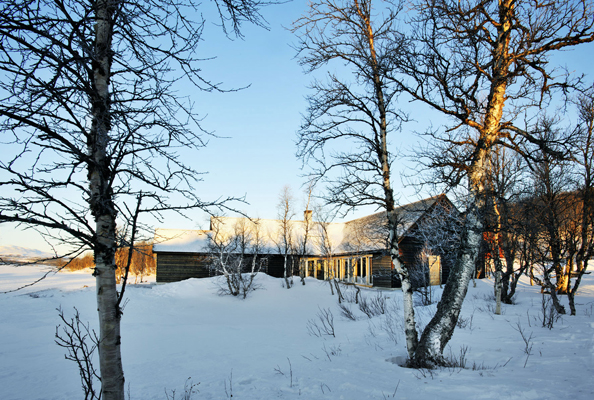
x: 353, y: 251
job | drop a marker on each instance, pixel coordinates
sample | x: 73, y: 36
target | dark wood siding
x: 409, y: 250
x: 276, y: 265
x: 174, y: 267
x: 382, y: 271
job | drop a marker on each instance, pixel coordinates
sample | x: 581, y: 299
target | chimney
x: 307, y: 215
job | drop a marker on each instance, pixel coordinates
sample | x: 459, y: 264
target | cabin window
x: 319, y: 270
x: 310, y: 268
x: 434, y: 270
x: 362, y: 263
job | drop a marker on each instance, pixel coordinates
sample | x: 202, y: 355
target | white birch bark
x: 498, y: 267
x: 103, y: 210
x: 285, y: 271
x: 410, y: 329
x: 498, y: 288
x: 441, y: 327
x: 407, y: 291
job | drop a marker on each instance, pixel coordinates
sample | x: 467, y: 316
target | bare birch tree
x: 90, y: 116
x: 482, y: 63
x: 584, y: 156
x: 354, y: 110
x: 505, y: 171
x: 326, y: 246
x: 553, y: 207
x: 303, y: 239
x: 559, y: 209
x: 237, y: 254
x: 506, y: 177
x: 284, y: 237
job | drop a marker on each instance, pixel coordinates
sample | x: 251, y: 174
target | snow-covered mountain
x: 21, y: 253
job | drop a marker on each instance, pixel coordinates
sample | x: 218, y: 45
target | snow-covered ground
x: 260, y: 348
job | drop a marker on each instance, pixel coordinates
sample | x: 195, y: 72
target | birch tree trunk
x: 410, y: 329
x: 498, y: 287
x: 383, y: 154
x: 441, y: 327
x: 286, y: 276
x: 103, y: 209
x: 495, y: 253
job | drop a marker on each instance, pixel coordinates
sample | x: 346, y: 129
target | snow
x: 180, y: 240
x: 22, y: 253
x: 197, y: 241
x: 180, y: 330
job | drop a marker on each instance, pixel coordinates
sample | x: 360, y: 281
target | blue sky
x: 258, y: 159
x: 257, y: 156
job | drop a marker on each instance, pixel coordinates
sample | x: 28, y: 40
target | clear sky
x: 257, y: 157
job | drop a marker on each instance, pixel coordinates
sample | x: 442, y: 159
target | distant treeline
x: 142, y: 263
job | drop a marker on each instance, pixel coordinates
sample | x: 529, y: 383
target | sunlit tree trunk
x: 441, y: 327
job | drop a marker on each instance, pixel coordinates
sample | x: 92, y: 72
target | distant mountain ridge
x: 22, y: 252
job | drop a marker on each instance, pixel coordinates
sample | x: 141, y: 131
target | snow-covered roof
x: 180, y: 240
x: 360, y: 235
x: 370, y: 233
